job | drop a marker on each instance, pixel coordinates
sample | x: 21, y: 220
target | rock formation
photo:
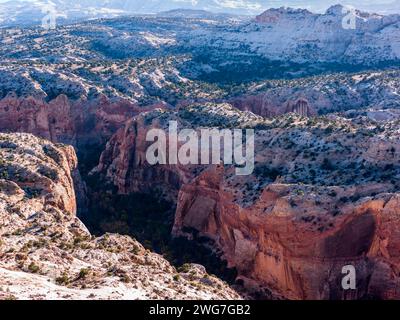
x: 75, y: 122
x: 301, y: 107
x: 265, y: 106
x: 295, y: 252
x: 47, y: 253
x: 310, y: 208
x: 124, y: 163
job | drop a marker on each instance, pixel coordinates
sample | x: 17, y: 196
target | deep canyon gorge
x: 303, y: 235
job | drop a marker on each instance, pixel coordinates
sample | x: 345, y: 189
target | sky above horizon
x: 381, y: 6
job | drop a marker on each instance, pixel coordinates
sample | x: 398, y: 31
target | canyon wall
x: 274, y: 245
x: 287, y: 230
x: 269, y: 106
x: 285, y: 242
x: 124, y: 163
x: 75, y: 122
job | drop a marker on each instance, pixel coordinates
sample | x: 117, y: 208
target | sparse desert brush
x: 33, y: 268
x: 83, y: 273
x: 63, y: 280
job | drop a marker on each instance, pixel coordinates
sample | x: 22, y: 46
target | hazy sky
x: 383, y: 6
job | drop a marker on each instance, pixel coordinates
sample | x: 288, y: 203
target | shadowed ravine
x: 149, y: 219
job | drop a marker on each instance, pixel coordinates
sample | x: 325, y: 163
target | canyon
x: 47, y: 252
x: 288, y: 233
x: 324, y: 193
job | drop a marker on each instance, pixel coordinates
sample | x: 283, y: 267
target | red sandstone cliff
x: 286, y: 239
x: 68, y: 121
x: 264, y: 106
x: 292, y: 250
x: 124, y: 163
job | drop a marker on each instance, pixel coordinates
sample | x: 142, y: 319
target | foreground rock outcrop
x: 47, y: 253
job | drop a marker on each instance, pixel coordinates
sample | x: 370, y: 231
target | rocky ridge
x: 311, y: 41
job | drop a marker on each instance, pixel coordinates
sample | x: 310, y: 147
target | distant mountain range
x: 23, y: 13
x: 276, y: 35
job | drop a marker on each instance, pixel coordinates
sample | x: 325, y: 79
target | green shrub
x: 63, y: 280
x: 33, y: 268
x: 83, y: 273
